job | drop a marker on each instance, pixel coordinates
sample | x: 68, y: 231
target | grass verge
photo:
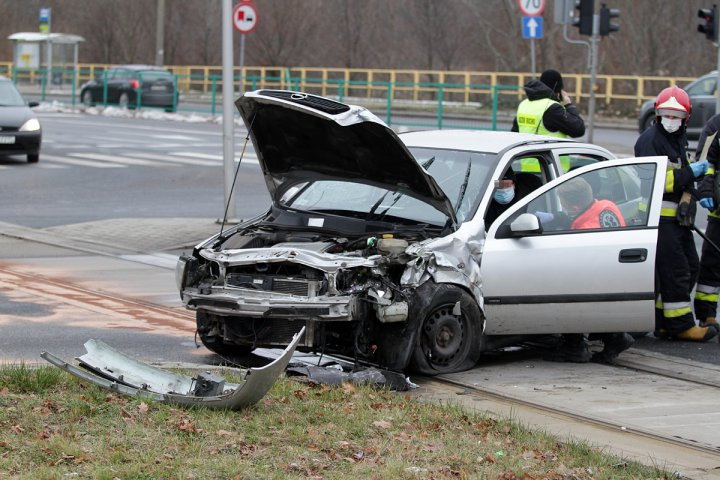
x: 55, y: 426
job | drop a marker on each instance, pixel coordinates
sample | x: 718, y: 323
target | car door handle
x: 633, y: 255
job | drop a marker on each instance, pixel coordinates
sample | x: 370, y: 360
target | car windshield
x: 462, y: 175
x: 9, y: 96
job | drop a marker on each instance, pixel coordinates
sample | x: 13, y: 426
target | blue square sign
x: 532, y: 27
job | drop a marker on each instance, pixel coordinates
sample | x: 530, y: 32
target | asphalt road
x: 94, y: 167
x: 97, y: 168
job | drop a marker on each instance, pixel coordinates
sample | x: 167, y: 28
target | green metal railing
x: 441, y: 105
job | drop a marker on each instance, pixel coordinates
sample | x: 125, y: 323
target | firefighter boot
x: 708, y: 322
x: 613, y: 344
x: 698, y: 334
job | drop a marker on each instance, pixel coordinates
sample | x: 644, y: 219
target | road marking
x: 248, y: 158
x: 51, y: 165
x: 118, y: 159
x: 177, y: 137
x: 80, y: 163
x: 166, y: 158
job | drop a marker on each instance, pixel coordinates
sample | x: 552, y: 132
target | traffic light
x: 710, y: 28
x: 584, y: 18
x: 607, y: 14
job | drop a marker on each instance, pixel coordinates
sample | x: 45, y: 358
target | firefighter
x: 676, y: 262
x: 708, y: 284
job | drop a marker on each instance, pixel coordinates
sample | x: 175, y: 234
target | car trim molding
x: 575, y: 298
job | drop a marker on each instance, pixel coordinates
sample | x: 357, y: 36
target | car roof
x: 138, y: 67
x: 475, y: 140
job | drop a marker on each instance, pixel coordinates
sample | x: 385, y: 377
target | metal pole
x: 241, y: 84
x: 49, y: 52
x: 717, y: 86
x: 593, y: 76
x: 532, y: 57
x: 227, y: 99
x: 160, y: 34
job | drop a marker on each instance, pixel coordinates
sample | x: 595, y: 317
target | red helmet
x: 673, y: 101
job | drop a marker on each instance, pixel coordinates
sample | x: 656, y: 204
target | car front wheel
x: 87, y: 98
x: 448, y: 342
x: 647, y: 122
x: 124, y: 100
x: 208, y: 329
x: 33, y: 157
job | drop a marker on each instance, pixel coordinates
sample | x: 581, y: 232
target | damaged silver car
x: 377, y: 243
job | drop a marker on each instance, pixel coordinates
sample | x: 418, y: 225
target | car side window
x: 536, y: 165
x: 605, y: 199
x: 704, y: 86
x: 571, y: 161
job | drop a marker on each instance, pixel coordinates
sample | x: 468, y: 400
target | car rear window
x: 152, y: 75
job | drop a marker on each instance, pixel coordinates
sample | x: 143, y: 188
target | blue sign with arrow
x: 532, y: 27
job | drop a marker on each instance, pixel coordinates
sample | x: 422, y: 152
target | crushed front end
x: 258, y: 287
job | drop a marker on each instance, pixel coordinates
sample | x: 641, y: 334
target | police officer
x: 548, y: 110
x: 676, y: 262
x: 708, y: 285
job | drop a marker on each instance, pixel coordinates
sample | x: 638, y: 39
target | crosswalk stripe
x: 248, y: 157
x: 80, y: 163
x: 50, y: 165
x: 167, y: 158
x: 118, y: 159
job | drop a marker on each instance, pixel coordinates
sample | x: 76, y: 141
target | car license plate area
x: 159, y: 88
x: 5, y: 139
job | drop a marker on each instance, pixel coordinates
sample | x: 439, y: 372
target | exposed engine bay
x: 260, y: 285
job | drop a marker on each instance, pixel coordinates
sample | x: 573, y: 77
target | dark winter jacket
x: 556, y: 118
x: 656, y: 141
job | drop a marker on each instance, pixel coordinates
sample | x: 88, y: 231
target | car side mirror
x: 525, y: 224
x: 33, y: 104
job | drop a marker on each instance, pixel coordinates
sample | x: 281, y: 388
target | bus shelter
x: 55, y: 54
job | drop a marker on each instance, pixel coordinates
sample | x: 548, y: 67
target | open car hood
x: 301, y: 138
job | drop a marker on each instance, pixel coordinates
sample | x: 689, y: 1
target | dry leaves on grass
x: 4, y: 391
x: 186, y: 425
x: 17, y: 429
x: 382, y: 424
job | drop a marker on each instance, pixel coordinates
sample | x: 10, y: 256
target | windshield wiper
x: 463, y: 188
x: 425, y: 165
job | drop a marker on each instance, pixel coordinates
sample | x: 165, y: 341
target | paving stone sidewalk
x: 130, y: 234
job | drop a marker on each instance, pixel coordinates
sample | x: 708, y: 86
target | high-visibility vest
x: 529, y: 119
x: 530, y: 114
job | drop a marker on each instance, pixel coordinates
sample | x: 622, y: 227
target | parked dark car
x: 20, y: 131
x: 122, y: 85
x: 702, y: 96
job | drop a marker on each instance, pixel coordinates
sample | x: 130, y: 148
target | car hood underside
x: 300, y: 138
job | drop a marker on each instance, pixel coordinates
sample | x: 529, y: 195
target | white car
x: 377, y: 243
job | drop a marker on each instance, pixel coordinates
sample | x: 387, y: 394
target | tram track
x: 696, y: 459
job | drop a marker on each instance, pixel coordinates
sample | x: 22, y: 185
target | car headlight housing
x: 32, y: 125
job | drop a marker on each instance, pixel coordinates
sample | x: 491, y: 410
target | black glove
x: 686, y: 211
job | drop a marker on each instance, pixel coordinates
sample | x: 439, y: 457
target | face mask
x: 671, y: 125
x: 504, y: 195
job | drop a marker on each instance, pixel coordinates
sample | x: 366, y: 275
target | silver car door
x: 560, y: 279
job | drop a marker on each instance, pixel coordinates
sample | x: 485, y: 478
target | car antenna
x: 232, y: 187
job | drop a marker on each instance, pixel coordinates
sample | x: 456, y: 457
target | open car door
x: 543, y: 272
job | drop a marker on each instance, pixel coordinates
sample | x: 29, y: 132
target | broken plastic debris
x: 119, y: 373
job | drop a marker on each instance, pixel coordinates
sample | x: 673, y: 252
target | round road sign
x: 532, y: 8
x: 244, y: 17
